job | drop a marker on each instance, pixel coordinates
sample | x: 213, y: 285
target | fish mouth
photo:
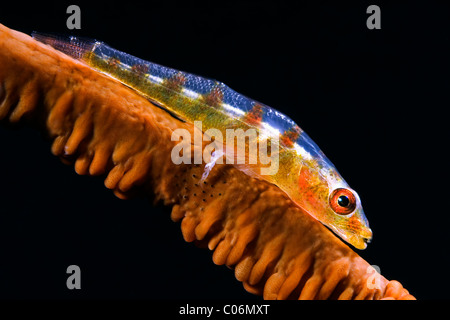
x: 359, y: 239
x: 363, y: 233
x: 367, y: 235
x: 360, y: 243
x: 363, y: 239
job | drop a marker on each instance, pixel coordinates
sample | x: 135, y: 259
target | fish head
x: 326, y: 196
x: 323, y: 193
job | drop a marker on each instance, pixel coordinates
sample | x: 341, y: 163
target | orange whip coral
x: 103, y: 127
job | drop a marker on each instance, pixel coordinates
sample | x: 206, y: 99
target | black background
x: 375, y: 101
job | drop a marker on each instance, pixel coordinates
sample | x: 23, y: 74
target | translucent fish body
x: 303, y: 171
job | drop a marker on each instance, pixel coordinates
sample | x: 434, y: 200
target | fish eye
x: 342, y: 201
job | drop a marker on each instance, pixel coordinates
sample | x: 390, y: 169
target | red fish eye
x: 342, y: 201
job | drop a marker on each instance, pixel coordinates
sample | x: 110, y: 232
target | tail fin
x: 73, y: 46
